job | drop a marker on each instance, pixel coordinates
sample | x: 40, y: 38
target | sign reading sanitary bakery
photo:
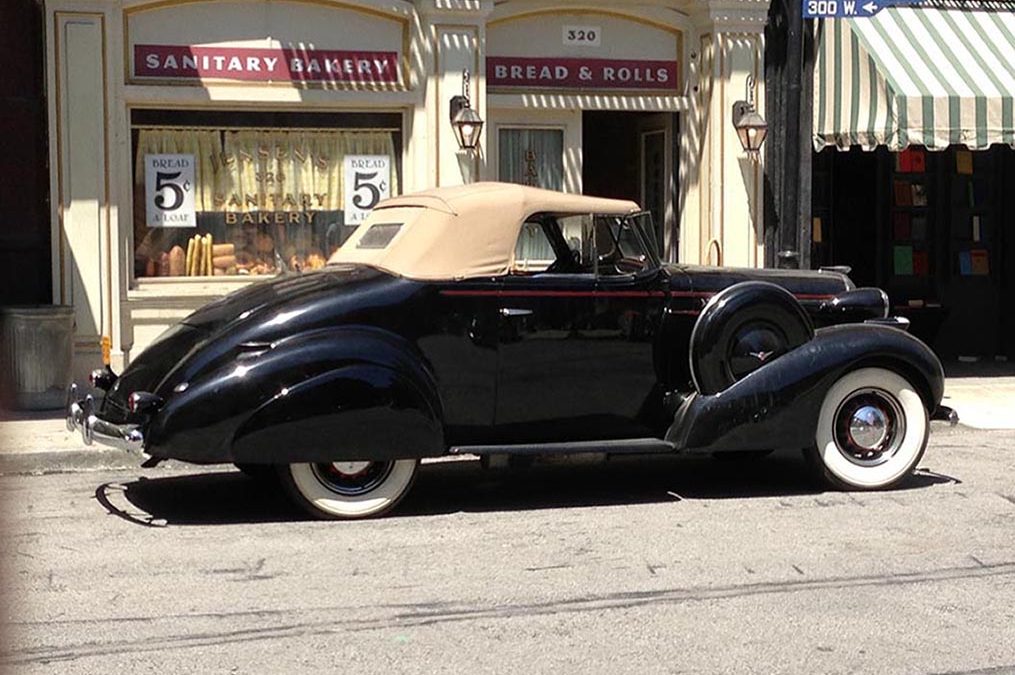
x: 574, y: 73
x: 246, y: 64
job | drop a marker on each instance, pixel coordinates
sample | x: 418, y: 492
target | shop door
x: 630, y: 156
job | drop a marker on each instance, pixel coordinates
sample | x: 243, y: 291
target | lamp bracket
x: 741, y: 108
x: 458, y: 104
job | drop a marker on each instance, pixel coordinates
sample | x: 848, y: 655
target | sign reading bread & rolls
x: 575, y: 73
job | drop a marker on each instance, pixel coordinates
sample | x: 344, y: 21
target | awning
x: 916, y: 76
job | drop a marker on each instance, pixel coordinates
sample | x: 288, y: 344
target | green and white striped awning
x: 916, y: 76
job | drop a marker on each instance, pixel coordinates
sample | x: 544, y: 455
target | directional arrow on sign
x: 848, y: 9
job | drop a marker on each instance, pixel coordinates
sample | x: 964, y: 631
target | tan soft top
x: 462, y: 232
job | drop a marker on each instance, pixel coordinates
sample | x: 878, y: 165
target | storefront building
x: 914, y: 167
x: 197, y: 146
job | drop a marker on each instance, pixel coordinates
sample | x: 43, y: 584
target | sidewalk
x: 38, y: 442
x: 983, y: 393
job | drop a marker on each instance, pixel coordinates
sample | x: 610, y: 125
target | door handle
x: 514, y: 311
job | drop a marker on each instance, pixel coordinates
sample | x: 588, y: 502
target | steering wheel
x: 630, y: 265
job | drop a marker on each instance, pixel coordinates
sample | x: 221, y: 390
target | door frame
x: 665, y: 123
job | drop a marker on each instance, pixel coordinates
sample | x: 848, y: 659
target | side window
x: 556, y: 244
x: 533, y: 252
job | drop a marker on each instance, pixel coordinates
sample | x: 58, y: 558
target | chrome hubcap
x: 349, y: 479
x: 869, y: 427
x: 350, y: 468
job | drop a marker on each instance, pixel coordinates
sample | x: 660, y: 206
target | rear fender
x: 202, y: 422
x: 777, y: 405
x: 358, y: 412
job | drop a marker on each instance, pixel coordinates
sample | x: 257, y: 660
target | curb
x: 67, y: 461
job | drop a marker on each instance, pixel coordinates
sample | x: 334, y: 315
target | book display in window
x: 971, y: 214
x: 910, y: 215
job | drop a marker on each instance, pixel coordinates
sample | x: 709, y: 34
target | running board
x: 630, y: 446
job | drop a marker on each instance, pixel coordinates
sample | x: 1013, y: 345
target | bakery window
x: 250, y: 194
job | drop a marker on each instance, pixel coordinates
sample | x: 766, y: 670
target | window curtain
x: 276, y: 164
x: 293, y: 166
x: 532, y: 157
x: 206, y: 146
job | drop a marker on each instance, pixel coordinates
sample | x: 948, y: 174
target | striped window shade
x: 916, y: 76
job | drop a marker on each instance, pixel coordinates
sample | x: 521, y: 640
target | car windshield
x: 621, y: 244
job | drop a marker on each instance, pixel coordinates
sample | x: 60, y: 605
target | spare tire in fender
x: 742, y: 328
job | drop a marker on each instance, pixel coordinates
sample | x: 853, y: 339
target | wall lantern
x: 751, y: 127
x: 466, y: 122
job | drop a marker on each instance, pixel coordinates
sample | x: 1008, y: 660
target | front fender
x: 241, y: 399
x: 777, y: 406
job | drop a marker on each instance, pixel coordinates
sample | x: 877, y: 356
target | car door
x: 631, y: 291
x: 626, y: 323
x: 546, y: 310
x: 577, y: 347
x: 459, y: 335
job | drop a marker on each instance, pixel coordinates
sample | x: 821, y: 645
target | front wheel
x: 347, y: 490
x: 872, y: 430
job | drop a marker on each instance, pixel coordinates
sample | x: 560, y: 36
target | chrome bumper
x: 81, y: 415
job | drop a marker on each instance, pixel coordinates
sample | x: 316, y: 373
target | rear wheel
x: 872, y: 430
x: 346, y: 490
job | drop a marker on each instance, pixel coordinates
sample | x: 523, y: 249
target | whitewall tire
x: 872, y: 430
x: 347, y: 490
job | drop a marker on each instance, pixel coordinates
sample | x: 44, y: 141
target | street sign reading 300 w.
x: 846, y: 9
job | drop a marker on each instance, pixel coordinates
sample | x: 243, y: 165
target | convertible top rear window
x: 379, y: 235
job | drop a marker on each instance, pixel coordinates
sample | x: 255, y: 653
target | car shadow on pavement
x: 230, y: 497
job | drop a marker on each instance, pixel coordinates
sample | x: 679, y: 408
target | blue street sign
x: 849, y: 9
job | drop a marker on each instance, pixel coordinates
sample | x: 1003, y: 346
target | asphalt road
x: 659, y: 565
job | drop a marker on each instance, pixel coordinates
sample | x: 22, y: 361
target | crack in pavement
x: 425, y: 614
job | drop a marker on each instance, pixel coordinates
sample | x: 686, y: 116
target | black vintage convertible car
x: 497, y: 319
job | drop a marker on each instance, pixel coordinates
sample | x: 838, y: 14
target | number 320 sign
x: 367, y: 181
x: 169, y: 191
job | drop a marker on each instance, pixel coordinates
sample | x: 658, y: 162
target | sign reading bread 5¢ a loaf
x: 169, y: 191
x: 367, y: 181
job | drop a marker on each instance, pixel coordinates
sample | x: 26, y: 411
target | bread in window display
x: 265, y: 243
x: 315, y: 260
x: 177, y: 262
x: 223, y: 257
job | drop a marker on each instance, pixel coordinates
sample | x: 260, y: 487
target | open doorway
x: 629, y: 155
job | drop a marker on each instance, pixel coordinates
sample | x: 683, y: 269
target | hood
x: 807, y: 285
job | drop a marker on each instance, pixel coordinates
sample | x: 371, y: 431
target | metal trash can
x: 36, y: 349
